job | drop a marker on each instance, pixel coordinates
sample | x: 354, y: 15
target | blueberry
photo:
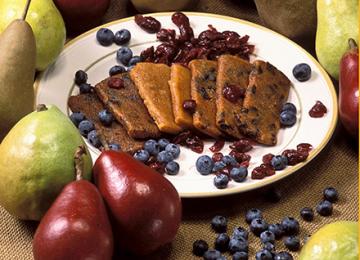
x: 164, y: 157
x: 263, y: 254
x: 105, y: 36
x: 229, y: 160
x: 204, y: 164
x: 324, y: 208
x: 218, y: 166
x: 174, y: 149
x: 85, y: 88
x: 287, y: 118
x: 258, y: 225
x: 307, y: 214
x: 269, y: 246
x: 302, y: 72
x: 221, y: 181
x: 222, y: 242
x: 172, y: 168
x: 163, y: 142
x: 85, y: 127
x: 219, y: 224
x: 252, y: 214
x: 142, y: 155
x: 221, y: 257
x: 292, y: 243
x: 105, y: 117
x: 123, y: 55
x: 134, y: 60
x: 94, y: 139
x: 331, y: 194
x: 279, y: 162
x: 267, y: 236
x: 80, y: 77
x: 289, y: 107
x: 152, y: 147
x: 283, y: 255
x: 277, y: 230
x: 240, y: 256
x: 122, y: 37
x: 290, y: 226
x: 117, y: 69
x: 238, y: 245
x: 114, y: 147
x: 240, y: 232
x: 200, y: 247
x: 76, y: 118
x: 211, y: 254
x: 239, y: 174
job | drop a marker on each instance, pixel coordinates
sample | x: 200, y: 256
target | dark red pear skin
x: 75, y: 227
x: 144, y: 206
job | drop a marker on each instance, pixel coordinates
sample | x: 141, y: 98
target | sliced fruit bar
x: 90, y: 106
x: 231, y: 83
x: 203, y: 91
x: 268, y: 90
x: 152, y: 82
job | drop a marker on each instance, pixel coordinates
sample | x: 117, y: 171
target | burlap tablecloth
x: 337, y: 166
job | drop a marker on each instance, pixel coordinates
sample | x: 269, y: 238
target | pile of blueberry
x: 160, y: 155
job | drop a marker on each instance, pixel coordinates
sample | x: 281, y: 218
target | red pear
x: 144, y: 205
x: 76, y: 226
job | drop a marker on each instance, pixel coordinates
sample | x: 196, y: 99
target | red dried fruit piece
x: 266, y: 159
x: 318, y: 110
x: 189, y: 106
x: 195, y: 144
x: 304, y: 147
x: 147, y: 23
x: 240, y: 157
x: 245, y: 164
x: 115, y: 83
x: 217, y: 146
x: 179, y: 18
x: 223, y: 171
x: 258, y: 173
x: 243, y: 145
x: 166, y: 35
x: 217, y: 157
x: 182, y: 137
x: 233, y: 93
x: 269, y: 170
x: 148, y: 55
x: 294, y: 156
x: 157, y: 166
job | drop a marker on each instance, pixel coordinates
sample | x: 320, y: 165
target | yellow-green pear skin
x: 37, y: 161
x: 337, y: 22
x: 17, y: 71
x: 46, y: 22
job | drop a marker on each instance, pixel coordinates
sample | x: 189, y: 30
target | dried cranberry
x: 217, y: 146
x: 115, y: 83
x: 179, y: 18
x: 294, y: 156
x: 211, y: 34
x: 230, y: 34
x: 245, y: 164
x: 223, y: 171
x: 269, y: 170
x: 239, y: 156
x: 165, y: 35
x: 195, y: 144
x: 217, y: 157
x: 189, y: 106
x: 258, y: 173
x: 147, y: 23
x: 165, y: 53
x: 318, y: 110
x: 233, y: 93
x: 148, y: 54
x: 182, y: 137
x: 266, y: 159
x: 157, y: 166
x: 186, y: 33
x: 243, y: 145
x: 304, y: 147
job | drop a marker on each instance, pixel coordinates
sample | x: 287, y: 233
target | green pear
x: 37, y: 161
x: 337, y: 22
x: 46, y: 22
x: 335, y: 241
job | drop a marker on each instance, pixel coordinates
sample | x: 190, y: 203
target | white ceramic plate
x: 56, y: 84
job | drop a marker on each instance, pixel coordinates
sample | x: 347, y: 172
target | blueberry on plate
x: 165, y: 157
x: 152, y: 147
x: 290, y: 226
x: 263, y: 254
x: 172, y: 168
x: 76, y: 118
x: 174, y: 149
x: 292, y: 243
x: 114, y: 147
x: 105, y: 36
x: 94, y: 139
x: 258, y: 225
x: 267, y: 236
x: 240, y: 232
x: 123, y: 55
x: 200, y: 247
x: 122, y: 37
x: 204, y: 164
x: 252, y: 214
x: 324, y: 208
x: 290, y: 107
x: 331, y: 194
x: 279, y: 162
x: 105, y: 117
x: 239, y: 174
x: 229, y: 160
x: 134, y: 60
x: 238, y: 245
x: 85, y: 127
x: 240, y: 256
x: 221, y: 181
x: 212, y: 254
x: 218, y: 166
x: 80, y: 77
x: 307, y: 214
x: 277, y: 230
x: 287, y: 118
x: 142, y: 155
x: 163, y: 142
x: 219, y: 224
x: 117, y: 69
x: 283, y: 255
x: 269, y: 246
x: 222, y: 242
x: 85, y: 88
x: 302, y: 72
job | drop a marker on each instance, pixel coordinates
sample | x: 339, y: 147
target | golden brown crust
x: 152, y: 82
x: 234, y: 71
x: 203, y: 91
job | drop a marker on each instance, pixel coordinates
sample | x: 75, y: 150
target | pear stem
x: 352, y: 43
x: 41, y: 107
x: 23, y: 17
x: 79, y: 162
